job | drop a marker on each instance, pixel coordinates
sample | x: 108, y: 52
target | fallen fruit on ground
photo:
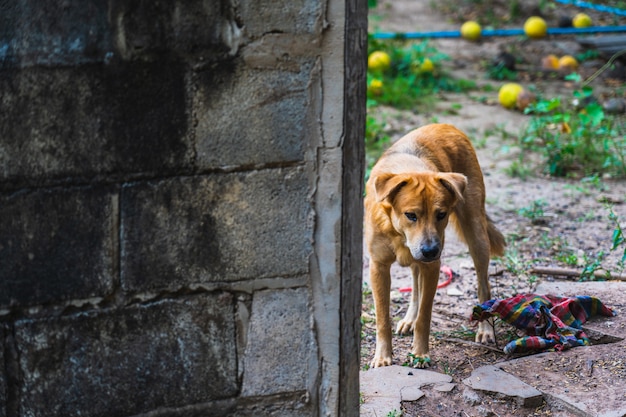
x: 524, y: 99
x: 550, y: 62
x: 471, y: 31
x: 427, y: 66
x: 507, y: 95
x: 378, y: 61
x: 568, y: 63
x: 535, y: 27
x: 581, y: 20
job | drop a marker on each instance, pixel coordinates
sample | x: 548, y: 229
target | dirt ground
x: 572, y: 227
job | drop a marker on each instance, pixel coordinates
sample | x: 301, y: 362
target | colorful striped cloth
x: 550, y: 322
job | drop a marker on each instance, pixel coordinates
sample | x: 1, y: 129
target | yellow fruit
x: 378, y: 61
x: 375, y: 87
x: 581, y: 20
x: 507, y: 95
x: 427, y: 66
x: 550, y: 62
x: 568, y: 62
x: 471, y: 31
x: 535, y: 27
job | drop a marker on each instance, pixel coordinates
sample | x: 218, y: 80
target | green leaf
x: 575, y: 77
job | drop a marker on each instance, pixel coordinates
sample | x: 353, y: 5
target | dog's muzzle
x: 430, y: 251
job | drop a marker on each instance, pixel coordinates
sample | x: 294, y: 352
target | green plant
x: 618, y: 239
x: 407, y: 84
x: 413, y: 360
x: 394, y: 413
x: 576, y: 141
x: 534, y: 212
x: 514, y: 263
x: 591, y: 267
x: 501, y: 72
x: 518, y: 169
x: 618, y: 242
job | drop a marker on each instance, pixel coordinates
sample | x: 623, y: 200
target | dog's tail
x: 496, y: 239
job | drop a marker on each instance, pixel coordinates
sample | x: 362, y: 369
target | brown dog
x: 427, y: 178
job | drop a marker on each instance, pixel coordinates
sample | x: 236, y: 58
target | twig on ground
x: 470, y: 343
x: 569, y: 272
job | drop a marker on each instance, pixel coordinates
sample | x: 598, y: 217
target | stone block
x: 57, y: 244
x: 221, y: 227
x: 205, y: 31
x: 255, y: 118
x: 281, y: 354
x: 276, y: 409
x: 74, y: 32
x: 87, y: 122
x: 298, y: 17
x: 169, y: 353
x: 54, y: 32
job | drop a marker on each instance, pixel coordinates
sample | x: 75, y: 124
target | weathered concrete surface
x: 166, y: 169
x: 170, y: 352
x: 274, y: 363
x: 383, y: 389
x: 46, y: 237
x: 3, y: 374
x: 215, y: 228
x: 272, y: 101
x: 85, y: 123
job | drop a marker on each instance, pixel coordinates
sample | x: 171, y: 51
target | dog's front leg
x: 405, y: 326
x: 480, y: 254
x: 428, y: 279
x: 380, y: 277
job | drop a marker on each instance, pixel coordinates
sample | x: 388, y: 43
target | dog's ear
x: 455, y: 183
x: 387, y: 185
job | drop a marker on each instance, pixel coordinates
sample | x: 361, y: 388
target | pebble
x: 614, y: 106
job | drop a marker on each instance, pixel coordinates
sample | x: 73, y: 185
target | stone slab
x: 383, y: 389
x: 492, y: 379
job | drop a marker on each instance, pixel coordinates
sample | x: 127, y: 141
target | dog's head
x: 419, y: 207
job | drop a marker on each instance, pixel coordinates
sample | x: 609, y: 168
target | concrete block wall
x: 180, y: 209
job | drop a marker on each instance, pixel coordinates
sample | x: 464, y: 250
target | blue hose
x: 497, y: 32
x: 598, y: 7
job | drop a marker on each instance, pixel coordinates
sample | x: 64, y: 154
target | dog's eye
x: 441, y: 215
x: 411, y: 216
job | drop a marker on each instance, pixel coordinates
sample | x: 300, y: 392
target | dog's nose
x: 430, y: 251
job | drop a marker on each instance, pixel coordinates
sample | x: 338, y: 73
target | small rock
x: 471, y: 397
x: 454, y: 291
x: 614, y: 106
x: 445, y: 387
x: 484, y: 412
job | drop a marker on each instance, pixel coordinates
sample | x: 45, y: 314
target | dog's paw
x: 404, y: 327
x: 485, y: 333
x: 419, y: 361
x: 379, y: 361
